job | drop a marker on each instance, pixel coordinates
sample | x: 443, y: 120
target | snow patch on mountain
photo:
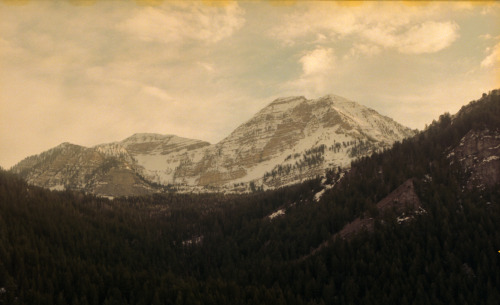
x: 279, y: 212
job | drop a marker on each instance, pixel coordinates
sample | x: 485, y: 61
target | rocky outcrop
x: 403, y: 203
x: 479, y: 155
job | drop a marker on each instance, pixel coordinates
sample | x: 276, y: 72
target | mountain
x: 106, y: 169
x: 294, y: 139
x: 413, y: 224
x: 290, y: 140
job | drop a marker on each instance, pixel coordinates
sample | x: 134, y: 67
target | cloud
x: 428, y: 37
x: 407, y: 29
x: 318, y: 67
x: 493, y: 58
x: 320, y: 19
x: 319, y: 61
x: 180, y: 23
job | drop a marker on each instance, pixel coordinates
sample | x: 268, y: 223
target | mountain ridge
x: 303, y: 136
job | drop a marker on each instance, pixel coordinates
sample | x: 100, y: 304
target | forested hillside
x: 72, y: 248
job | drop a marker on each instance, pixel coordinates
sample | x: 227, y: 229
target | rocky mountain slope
x: 295, y: 138
x: 478, y: 154
x: 107, y: 169
x: 289, y: 140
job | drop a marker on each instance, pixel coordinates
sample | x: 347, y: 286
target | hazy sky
x: 94, y: 73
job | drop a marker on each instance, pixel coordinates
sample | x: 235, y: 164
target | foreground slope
x: 70, y: 248
x: 290, y: 140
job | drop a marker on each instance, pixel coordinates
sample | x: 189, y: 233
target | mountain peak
x: 284, y: 104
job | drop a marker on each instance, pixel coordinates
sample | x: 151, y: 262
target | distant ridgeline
x: 291, y: 140
x: 413, y: 224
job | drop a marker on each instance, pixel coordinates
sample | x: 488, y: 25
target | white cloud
x: 179, y: 23
x: 407, y: 29
x: 493, y: 58
x: 319, y: 61
x: 321, y: 19
x: 428, y: 37
x: 318, y: 67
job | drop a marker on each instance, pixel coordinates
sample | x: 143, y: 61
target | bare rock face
x: 403, y: 201
x: 402, y: 198
x: 479, y: 154
x: 289, y: 140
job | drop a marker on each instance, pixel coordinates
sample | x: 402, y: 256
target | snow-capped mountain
x: 290, y: 140
x: 112, y: 169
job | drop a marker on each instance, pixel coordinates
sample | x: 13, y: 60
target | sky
x: 92, y: 72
